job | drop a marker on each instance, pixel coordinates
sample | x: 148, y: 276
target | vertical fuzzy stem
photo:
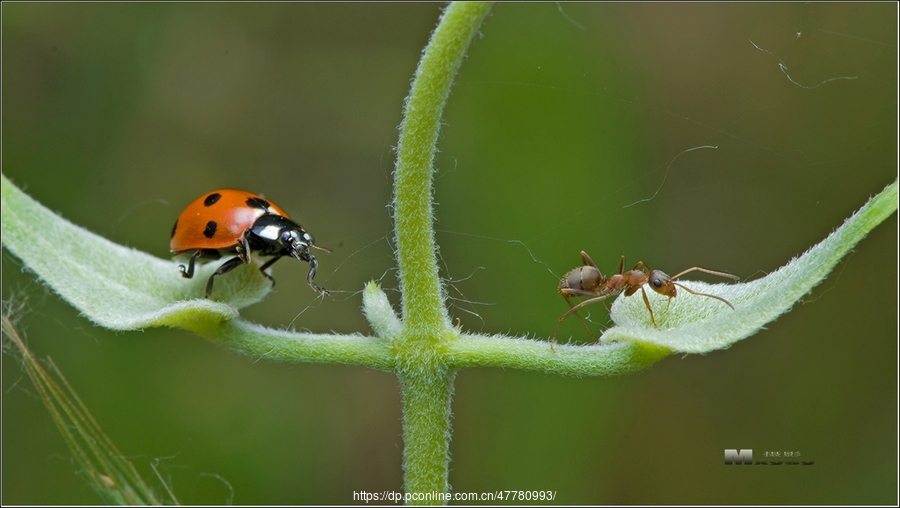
x: 423, y: 309
x: 425, y: 380
x: 426, y: 434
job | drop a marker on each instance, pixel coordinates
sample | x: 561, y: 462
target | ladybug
x: 228, y: 221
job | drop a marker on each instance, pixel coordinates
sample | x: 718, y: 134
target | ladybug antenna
x: 323, y: 249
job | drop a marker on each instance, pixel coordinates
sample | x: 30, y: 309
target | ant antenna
x: 682, y: 286
x: 704, y: 270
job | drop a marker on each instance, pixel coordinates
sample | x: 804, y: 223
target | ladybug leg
x: 243, y: 256
x: 266, y: 265
x: 226, y: 267
x: 313, y: 264
x: 243, y: 247
x: 189, y: 272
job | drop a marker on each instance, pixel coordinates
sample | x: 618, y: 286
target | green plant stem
x: 426, y: 431
x: 423, y: 312
x: 425, y: 381
x: 287, y: 346
x: 471, y: 350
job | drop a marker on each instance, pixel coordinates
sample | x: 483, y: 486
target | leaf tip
x: 378, y: 311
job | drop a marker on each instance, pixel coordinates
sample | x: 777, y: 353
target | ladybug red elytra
x: 229, y: 221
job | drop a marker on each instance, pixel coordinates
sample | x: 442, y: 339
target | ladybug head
x: 274, y: 235
x: 297, y: 242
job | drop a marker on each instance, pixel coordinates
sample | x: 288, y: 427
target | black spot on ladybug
x: 260, y: 203
x: 210, y: 229
x: 212, y: 199
x: 174, y: 227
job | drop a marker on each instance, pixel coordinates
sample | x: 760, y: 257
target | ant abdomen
x: 583, y: 278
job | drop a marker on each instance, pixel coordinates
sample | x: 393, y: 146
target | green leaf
x: 114, y: 286
x: 697, y: 324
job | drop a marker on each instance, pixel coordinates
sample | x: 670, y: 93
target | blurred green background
x: 118, y: 115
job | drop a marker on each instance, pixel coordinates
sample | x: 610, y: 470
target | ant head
x: 585, y: 278
x: 660, y: 282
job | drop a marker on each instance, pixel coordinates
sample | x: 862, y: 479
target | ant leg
x: 569, y: 292
x: 586, y: 327
x: 642, y: 267
x: 622, y: 266
x: 587, y: 260
x: 704, y: 294
x: 266, y: 265
x: 187, y: 274
x: 647, y: 303
x: 704, y: 270
x: 575, y: 309
x: 582, y: 304
x: 566, y: 292
x: 226, y: 267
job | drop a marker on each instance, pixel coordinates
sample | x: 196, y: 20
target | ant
x: 587, y: 280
